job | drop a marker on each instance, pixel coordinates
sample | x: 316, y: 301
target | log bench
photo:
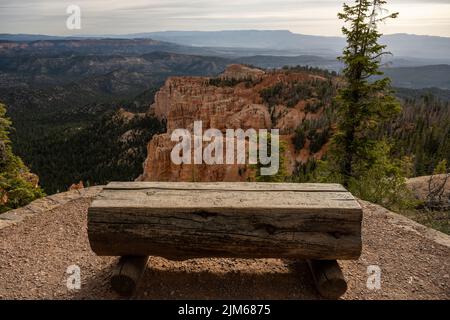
x: 319, y: 223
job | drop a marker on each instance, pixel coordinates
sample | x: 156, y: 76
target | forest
x: 421, y: 131
x: 111, y: 148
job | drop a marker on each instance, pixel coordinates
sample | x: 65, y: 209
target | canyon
x: 239, y: 98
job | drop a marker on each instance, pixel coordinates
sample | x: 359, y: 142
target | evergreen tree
x: 17, y: 186
x: 362, y: 102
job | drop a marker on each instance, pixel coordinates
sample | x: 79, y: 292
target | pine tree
x: 363, y: 103
x: 17, y: 187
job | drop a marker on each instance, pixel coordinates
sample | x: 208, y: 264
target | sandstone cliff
x: 240, y: 98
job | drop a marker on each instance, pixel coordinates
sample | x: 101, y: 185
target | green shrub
x: 318, y: 132
x: 288, y: 93
x: 299, y: 139
x: 382, y: 182
x: 15, y: 190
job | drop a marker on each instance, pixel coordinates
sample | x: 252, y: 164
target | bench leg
x: 127, y: 274
x: 328, y: 278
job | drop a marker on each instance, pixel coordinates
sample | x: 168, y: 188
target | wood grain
x: 328, y: 278
x: 190, y: 220
x: 233, y: 186
x: 127, y: 273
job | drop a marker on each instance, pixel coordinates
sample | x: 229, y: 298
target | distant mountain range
x: 52, y: 47
x: 416, y: 49
x: 405, y: 45
x: 118, y: 63
x: 63, y: 96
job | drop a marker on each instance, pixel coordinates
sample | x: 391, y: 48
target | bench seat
x: 181, y: 221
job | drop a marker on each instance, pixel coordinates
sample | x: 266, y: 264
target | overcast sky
x: 317, y: 17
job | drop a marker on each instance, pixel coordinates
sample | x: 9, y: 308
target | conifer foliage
x: 363, y: 104
x: 18, y: 186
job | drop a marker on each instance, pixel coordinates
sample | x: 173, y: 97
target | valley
x: 61, y: 92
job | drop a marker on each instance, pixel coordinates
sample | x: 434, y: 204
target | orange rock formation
x: 183, y: 100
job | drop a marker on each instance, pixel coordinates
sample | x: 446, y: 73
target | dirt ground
x: 35, y: 254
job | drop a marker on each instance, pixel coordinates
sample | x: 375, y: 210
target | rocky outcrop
x: 240, y: 72
x: 184, y: 100
x: 77, y: 186
x: 420, y: 186
x: 232, y: 101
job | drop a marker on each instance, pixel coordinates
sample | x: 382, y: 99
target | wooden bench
x: 320, y: 223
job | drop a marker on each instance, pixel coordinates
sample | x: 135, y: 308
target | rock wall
x: 45, y: 205
x: 183, y: 100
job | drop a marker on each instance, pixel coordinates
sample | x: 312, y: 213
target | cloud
x: 119, y: 17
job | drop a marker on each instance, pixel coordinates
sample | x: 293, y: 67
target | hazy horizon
x: 219, y: 30
x: 102, y: 17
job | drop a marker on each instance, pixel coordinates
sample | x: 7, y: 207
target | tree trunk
x: 328, y: 278
x: 127, y: 274
x: 250, y: 220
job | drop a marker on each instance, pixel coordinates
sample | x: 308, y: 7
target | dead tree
x: 436, y: 199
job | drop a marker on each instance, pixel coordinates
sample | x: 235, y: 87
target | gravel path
x: 35, y: 254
